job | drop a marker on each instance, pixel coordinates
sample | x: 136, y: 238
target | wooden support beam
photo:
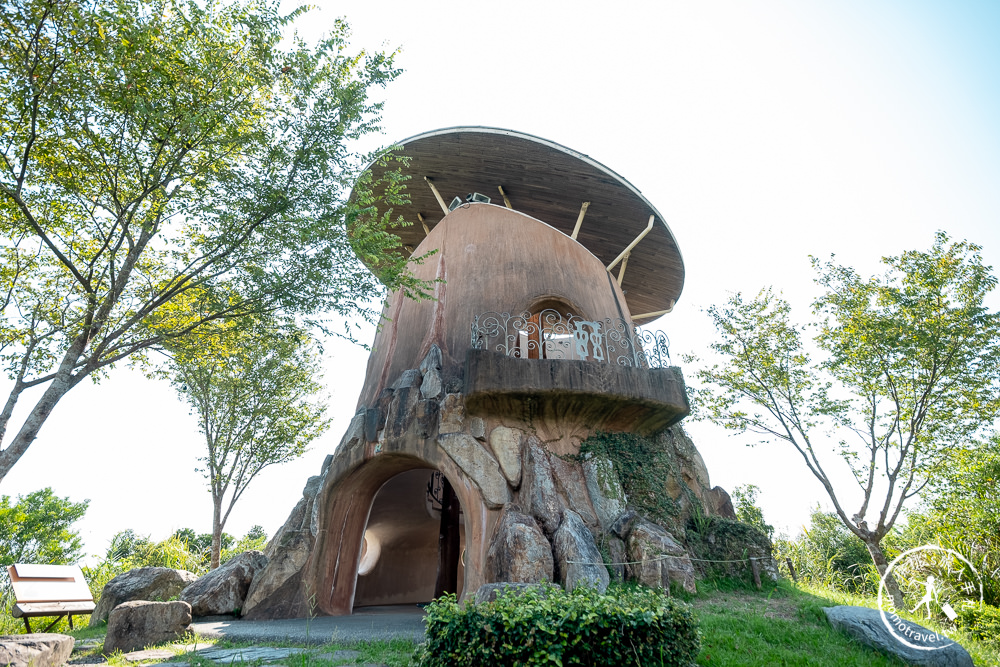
x: 437, y: 195
x: 506, y: 202
x: 423, y: 224
x: 655, y: 313
x: 633, y: 244
x: 621, y: 271
x: 579, y: 219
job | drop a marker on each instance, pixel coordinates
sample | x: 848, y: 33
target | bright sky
x: 764, y: 131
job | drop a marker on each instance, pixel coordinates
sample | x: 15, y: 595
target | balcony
x: 604, y: 374
x: 551, y: 335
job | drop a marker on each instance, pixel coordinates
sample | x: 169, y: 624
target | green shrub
x: 827, y: 554
x: 982, y: 621
x: 722, y: 547
x: 254, y: 540
x: 745, y: 503
x: 128, y: 551
x: 36, y: 528
x: 545, y: 625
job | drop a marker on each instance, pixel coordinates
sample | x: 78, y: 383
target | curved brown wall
x: 406, y: 570
x: 486, y: 258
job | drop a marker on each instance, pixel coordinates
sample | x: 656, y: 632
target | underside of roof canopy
x: 548, y: 182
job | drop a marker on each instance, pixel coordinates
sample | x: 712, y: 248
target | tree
x: 168, y: 164
x: 910, y: 370
x: 256, y: 534
x: 201, y: 543
x: 37, y: 528
x: 829, y: 554
x: 253, y: 396
x: 747, y: 511
x: 961, y: 511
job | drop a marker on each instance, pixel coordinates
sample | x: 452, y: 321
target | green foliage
x: 827, y: 554
x: 642, y: 466
x: 745, y: 503
x: 723, y: 547
x: 254, y: 540
x: 256, y: 534
x: 129, y: 550
x: 201, y: 543
x: 169, y: 164
x: 255, y: 397
x: 185, y: 550
x: 959, y: 512
x: 981, y: 621
x: 910, y: 365
x: 547, y: 626
x: 37, y: 528
x: 962, y: 511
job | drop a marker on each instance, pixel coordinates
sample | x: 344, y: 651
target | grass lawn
x: 739, y: 626
x: 786, y: 626
x: 782, y: 627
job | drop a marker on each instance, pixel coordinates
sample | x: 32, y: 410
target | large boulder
x: 605, y: 490
x: 138, y: 624
x: 452, y: 414
x: 35, y: 650
x: 144, y: 583
x: 578, y: 562
x: 616, y: 550
x: 724, y: 548
x: 656, y: 558
x: 274, y: 592
x: 572, y: 486
x: 519, y: 552
x: 539, y: 493
x: 718, y: 503
x: 478, y: 464
x: 506, y: 444
x: 432, y: 385
x: 224, y: 590
x: 927, y: 647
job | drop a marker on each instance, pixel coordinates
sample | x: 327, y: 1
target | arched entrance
x: 413, y: 541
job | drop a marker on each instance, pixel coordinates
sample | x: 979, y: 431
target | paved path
x: 390, y: 622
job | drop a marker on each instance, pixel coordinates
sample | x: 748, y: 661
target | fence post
x: 755, y: 569
x: 791, y: 569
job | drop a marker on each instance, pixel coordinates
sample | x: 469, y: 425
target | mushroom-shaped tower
x: 458, y: 468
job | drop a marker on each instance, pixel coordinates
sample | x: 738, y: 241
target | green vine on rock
x: 643, y: 466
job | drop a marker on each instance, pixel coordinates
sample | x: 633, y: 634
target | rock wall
x: 529, y: 513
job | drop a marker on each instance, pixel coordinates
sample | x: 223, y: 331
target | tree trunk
x: 217, y: 525
x: 449, y: 545
x: 882, y: 565
x: 33, y: 423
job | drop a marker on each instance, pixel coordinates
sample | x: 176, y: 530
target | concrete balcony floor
x: 603, y: 396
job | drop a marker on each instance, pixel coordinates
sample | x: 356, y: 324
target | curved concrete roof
x: 549, y: 182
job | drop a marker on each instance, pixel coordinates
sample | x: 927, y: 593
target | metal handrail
x: 549, y: 334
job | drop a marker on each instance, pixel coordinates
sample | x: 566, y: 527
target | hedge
x: 547, y: 626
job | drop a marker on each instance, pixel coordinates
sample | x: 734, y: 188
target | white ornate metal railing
x: 550, y: 334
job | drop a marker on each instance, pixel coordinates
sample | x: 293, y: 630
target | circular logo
x: 935, y: 583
